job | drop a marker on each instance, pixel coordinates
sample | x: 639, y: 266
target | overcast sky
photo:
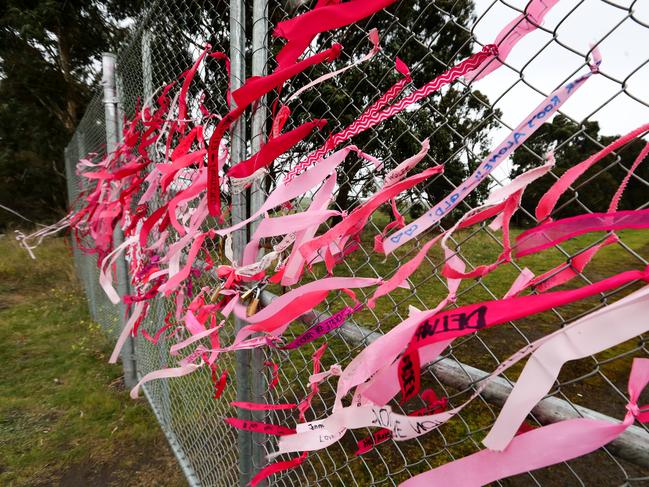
x: 623, y: 51
x: 578, y: 24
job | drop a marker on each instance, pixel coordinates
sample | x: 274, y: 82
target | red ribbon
x: 274, y: 148
x: 277, y: 467
x: 252, y: 90
x: 257, y: 427
x: 328, y: 15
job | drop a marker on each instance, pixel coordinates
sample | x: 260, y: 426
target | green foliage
x: 49, y: 52
x: 428, y: 37
x: 597, y: 186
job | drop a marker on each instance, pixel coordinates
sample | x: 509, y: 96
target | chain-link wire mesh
x: 165, y: 42
x: 431, y: 37
x: 462, y: 124
x: 90, y: 141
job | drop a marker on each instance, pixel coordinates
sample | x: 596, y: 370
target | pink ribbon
x: 276, y: 468
x: 474, y: 317
x: 306, y: 403
x: 283, y: 225
x: 280, y: 312
x: 136, y: 313
x: 527, y: 127
x: 322, y: 328
x: 375, y: 116
x: 306, y: 181
x: 374, y: 39
x: 257, y: 427
x: 514, y: 32
x: 549, y: 200
x: 253, y: 89
x: 274, y: 148
x: 558, y: 442
x: 294, y: 265
x: 358, y: 218
x: 300, y: 31
x: 550, y: 234
x: 163, y: 374
x: 251, y: 406
x: 587, y: 336
x: 331, y: 429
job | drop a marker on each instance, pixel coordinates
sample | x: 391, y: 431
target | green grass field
x: 65, y: 418
x: 588, y: 382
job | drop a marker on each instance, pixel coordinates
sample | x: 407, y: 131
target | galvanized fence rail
x: 461, y: 124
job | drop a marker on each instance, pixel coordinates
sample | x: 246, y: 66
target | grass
x: 65, y: 418
x: 588, y: 382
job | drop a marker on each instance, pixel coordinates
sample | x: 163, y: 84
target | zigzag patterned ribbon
x: 372, y: 118
x: 530, y: 124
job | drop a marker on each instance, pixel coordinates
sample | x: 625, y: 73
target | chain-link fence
x: 90, y: 138
x: 462, y: 124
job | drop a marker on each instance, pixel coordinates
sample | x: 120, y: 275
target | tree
x: 574, y: 143
x: 49, y: 53
x: 429, y: 37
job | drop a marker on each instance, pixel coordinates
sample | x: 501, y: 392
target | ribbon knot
x: 491, y: 49
x: 229, y: 274
x: 639, y: 413
x: 335, y: 369
x: 334, y: 52
x: 633, y: 408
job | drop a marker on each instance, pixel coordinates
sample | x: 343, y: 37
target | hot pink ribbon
x: 280, y: 312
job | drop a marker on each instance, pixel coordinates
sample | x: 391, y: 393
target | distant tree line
x: 575, y: 143
x: 49, y: 50
x: 49, y: 58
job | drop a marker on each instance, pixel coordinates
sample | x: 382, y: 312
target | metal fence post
x: 109, y: 84
x: 239, y: 238
x: 257, y: 138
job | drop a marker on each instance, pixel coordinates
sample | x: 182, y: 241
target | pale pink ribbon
x: 513, y: 32
x: 527, y: 127
x: 540, y: 447
x: 590, y: 335
x: 294, y: 265
x: 300, y: 185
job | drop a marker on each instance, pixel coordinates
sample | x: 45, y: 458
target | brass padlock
x: 246, y: 294
x: 220, y: 249
x: 252, y: 307
x: 215, y: 293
